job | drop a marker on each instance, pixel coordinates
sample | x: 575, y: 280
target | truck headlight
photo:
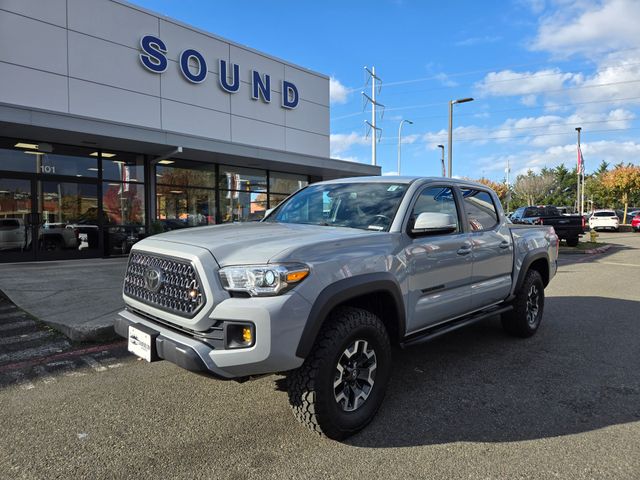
x: 263, y: 280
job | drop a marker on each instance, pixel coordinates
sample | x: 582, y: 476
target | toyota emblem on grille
x: 153, y: 279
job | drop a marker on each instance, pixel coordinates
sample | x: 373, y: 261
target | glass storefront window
x: 17, y: 161
x: 122, y: 167
x: 15, y: 209
x: 124, y: 214
x: 276, y: 199
x: 179, y: 207
x: 69, y: 216
x: 242, y: 206
x: 184, y: 173
x: 286, y: 182
x: 123, y: 203
x: 244, y: 179
x: 34, y: 157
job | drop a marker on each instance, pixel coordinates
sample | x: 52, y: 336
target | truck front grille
x: 166, y: 283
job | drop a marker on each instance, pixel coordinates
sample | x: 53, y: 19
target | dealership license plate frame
x: 141, y: 341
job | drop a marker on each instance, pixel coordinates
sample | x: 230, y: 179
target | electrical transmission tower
x: 376, y: 84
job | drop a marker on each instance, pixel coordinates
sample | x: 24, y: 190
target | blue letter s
x: 153, y: 58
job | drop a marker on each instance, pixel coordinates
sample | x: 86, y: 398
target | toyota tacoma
x: 333, y: 277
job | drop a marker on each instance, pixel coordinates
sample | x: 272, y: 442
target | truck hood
x: 256, y: 242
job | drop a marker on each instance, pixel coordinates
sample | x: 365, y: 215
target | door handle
x: 504, y: 244
x: 464, y: 250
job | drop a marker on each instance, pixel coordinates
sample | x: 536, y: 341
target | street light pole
x: 400, y: 139
x: 451, y: 104
x: 444, y: 171
x: 579, y: 191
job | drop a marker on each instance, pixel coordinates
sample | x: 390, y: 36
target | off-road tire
x: 528, y: 307
x: 311, y: 387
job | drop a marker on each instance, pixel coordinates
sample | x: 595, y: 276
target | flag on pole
x: 580, y: 161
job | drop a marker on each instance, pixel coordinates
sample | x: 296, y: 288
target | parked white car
x: 604, y: 219
x: 13, y: 234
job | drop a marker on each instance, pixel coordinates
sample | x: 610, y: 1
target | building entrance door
x: 16, y: 220
x: 48, y: 219
x: 68, y: 219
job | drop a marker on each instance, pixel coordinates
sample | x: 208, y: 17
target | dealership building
x: 117, y: 123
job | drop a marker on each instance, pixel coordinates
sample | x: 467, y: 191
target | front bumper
x: 278, y: 323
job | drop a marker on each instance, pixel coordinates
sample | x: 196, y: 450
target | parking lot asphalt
x: 474, y: 404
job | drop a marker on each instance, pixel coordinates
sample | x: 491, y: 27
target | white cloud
x: 444, y: 79
x: 536, y: 6
x: 342, y: 142
x: 338, y: 93
x: 594, y: 152
x: 510, y: 83
x: 547, y: 130
x: 529, y: 100
x: 472, y: 133
x: 590, y: 29
x: 614, y: 82
x: 348, y: 158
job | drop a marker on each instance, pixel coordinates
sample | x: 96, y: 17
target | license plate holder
x: 142, y: 342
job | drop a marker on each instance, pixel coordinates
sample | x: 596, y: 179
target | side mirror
x: 430, y: 223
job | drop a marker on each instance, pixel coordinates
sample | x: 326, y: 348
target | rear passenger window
x: 481, y: 212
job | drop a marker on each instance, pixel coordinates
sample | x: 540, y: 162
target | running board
x: 435, y: 332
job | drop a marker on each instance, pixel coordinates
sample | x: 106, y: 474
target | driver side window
x: 436, y: 200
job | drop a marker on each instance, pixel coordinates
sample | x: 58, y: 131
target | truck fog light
x: 193, y: 293
x: 247, y: 335
x: 239, y: 335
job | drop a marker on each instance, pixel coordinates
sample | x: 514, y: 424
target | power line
x: 473, y: 139
x: 492, y: 70
x: 537, y: 107
x: 591, y: 122
x: 408, y: 107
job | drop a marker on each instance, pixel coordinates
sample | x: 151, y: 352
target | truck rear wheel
x: 572, y: 242
x: 528, y: 307
x: 342, y: 383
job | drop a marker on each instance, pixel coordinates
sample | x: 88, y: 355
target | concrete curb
x: 78, y: 298
x: 591, y: 251
x: 96, y: 330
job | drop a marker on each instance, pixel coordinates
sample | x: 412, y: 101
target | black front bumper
x: 169, y: 349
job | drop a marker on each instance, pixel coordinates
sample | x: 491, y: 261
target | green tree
x: 563, y: 191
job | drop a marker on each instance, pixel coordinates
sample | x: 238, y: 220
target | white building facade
x: 117, y: 123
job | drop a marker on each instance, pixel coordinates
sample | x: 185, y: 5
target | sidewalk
x: 80, y: 298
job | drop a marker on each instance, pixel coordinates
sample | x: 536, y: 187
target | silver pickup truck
x: 329, y: 281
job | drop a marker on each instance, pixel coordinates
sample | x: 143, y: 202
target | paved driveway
x: 474, y: 404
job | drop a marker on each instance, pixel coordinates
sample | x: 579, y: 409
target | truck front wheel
x: 341, y: 385
x: 528, y: 306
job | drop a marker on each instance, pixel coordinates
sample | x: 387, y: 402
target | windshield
x: 368, y: 206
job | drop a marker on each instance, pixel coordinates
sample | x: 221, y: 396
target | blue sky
x: 536, y: 68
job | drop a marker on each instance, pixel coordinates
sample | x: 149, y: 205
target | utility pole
x: 375, y: 89
x: 444, y: 170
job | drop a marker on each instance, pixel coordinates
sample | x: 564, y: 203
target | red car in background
x: 635, y: 222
